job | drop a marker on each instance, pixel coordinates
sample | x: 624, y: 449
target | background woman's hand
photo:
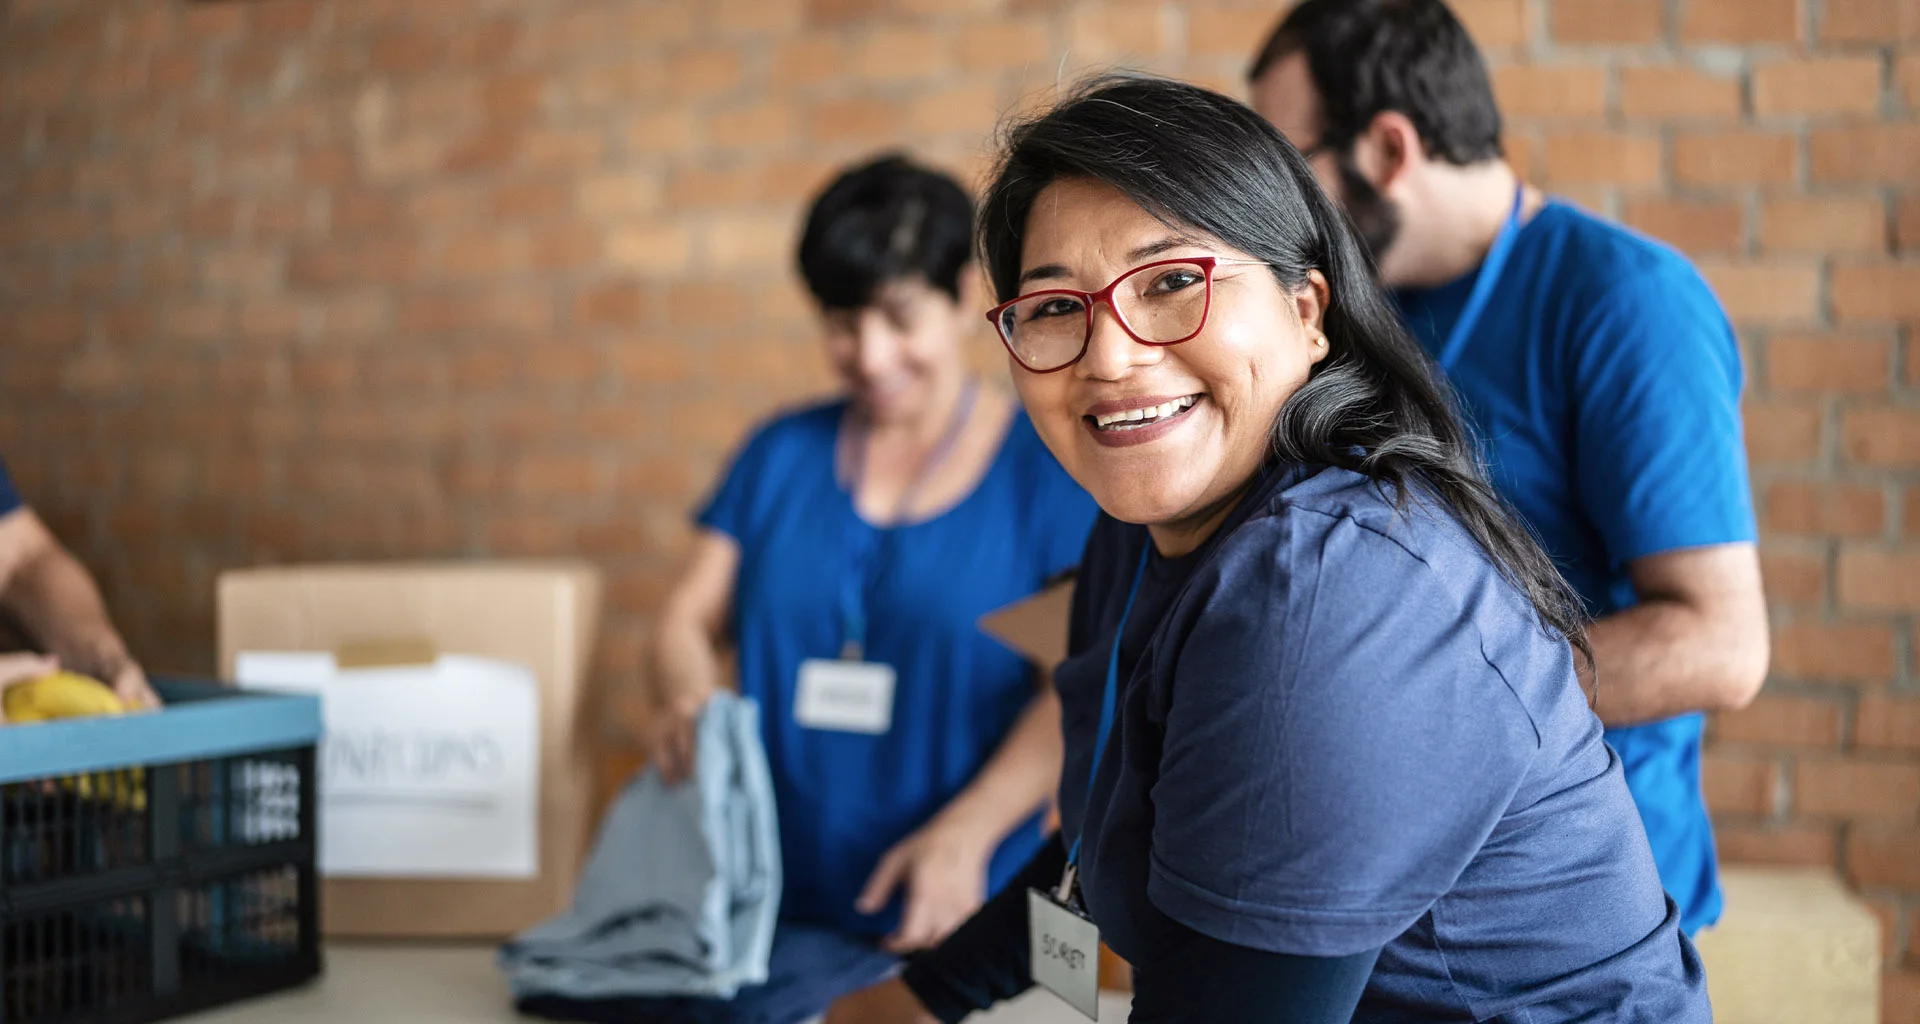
x: 944, y: 870
x: 668, y: 735
x: 131, y: 686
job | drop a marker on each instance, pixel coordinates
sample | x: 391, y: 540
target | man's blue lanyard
x: 1490, y: 269
x: 1110, y: 698
x: 873, y: 549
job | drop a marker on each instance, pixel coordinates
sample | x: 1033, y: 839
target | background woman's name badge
x: 845, y: 696
x: 1065, y: 950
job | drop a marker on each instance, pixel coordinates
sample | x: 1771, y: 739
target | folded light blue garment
x: 682, y: 890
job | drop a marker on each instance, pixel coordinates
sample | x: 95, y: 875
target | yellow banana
x: 60, y: 695
x: 70, y: 695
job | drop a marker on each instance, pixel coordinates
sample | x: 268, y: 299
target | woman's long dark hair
x: 1375, y: 404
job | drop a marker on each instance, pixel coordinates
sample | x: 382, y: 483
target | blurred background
x: 316, y: 280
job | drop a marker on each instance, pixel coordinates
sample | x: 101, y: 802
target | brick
x: 964, y: 110
x: 1907, y: 80
x: 1833, y: 652
x: 757, y: 128
x: 1907, y: 228
x: 1677, y: 91
x: 704, y: 72
x: 528, y: 200
x: 1740, y: 21
x: 898, y: 54
x: 1776, y: 845
x: 1132, y: 31
x: 1210, y: 31
x: 1887, y: 722
x: 658, y: 248
x: 1864, y: 152
x: 1828, y: 85
x: 1876, y: 292
x: 1607, y: 22
x: 1766, y: 293
x: 1781, y: 721
x: 663, y: 133
x: 1739, y: 784
x: 1542, y: 91
x: 1493, y: 24
x: 740, y: 241
x: 1823, y: 508
x: 1878, y: 578
x: 616, y: 304
x: 1793, y: 577
x: 1733, y: 157
x: 1607, y: 157
x: 1824, y: 224
x: 1005, y: 44
x: 1888, y: 857
x: 758, y: 17
x: 1855, y: 788
x: 561, y: 150
x: 617, y: 196
x: 1696, y: 227
x: 855, y: 120
x: 1844, y: 363
x: 1870, y: 21
x: 811, y: 60
x: 197, y: 322
x: 1900, y: 995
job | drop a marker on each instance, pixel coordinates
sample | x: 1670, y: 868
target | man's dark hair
x: 885, y: 221
x: 1409, y: 56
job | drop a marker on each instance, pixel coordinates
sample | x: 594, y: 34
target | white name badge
x: 845, y: 696
x: 1065, y: 951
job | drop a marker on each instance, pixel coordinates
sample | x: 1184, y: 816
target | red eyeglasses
x: 1160, y: 303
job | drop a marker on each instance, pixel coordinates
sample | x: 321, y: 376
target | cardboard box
x: 1035, y: 626
x: 540, y: 614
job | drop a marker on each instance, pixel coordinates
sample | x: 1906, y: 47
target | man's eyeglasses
x: 1160, y: 303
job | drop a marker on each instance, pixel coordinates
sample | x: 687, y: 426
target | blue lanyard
x: 1490, y: 269
x: 873, y: 549
x: 1110, y: 698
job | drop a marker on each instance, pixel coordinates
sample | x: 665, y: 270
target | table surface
x: 444, y: 984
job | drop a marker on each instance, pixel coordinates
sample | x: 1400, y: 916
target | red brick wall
x: 326, y: 279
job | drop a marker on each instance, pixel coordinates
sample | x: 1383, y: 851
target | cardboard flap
x: 1035, y: 626
x: 384, y: 652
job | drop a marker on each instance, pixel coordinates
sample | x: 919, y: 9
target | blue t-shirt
x: 1340, y: 729
x: 843, y: 797
x: 1604, y: 383
x: 9, y: 495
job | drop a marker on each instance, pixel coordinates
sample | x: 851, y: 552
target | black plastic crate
x: 142, y: 890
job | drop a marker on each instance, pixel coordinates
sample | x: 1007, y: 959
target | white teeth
x: 1149, y: 414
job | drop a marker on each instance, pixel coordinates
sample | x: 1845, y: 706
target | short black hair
x: 1409, y: 56
x: 885, y: 221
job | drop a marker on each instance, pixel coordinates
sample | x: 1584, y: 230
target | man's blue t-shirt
x: 1604, y: 383
x: 844, y: 798
x: 9, y: 495
x: 1340, y: 729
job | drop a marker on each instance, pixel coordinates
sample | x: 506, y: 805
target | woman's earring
x: 1319, y: 339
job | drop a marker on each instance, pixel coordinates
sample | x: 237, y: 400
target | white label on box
x: 426, y: 771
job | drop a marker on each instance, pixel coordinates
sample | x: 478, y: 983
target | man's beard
x: 1374, y: 216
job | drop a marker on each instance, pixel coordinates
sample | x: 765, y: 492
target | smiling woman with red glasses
x: 1327, y: 758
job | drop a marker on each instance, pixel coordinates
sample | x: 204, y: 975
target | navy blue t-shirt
x: 9, y: 495
x: 1340, y: 729
x: 844, y: 797
x: 1604, y: 382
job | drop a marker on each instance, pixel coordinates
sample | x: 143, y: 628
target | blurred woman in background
x: 845, y: 560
